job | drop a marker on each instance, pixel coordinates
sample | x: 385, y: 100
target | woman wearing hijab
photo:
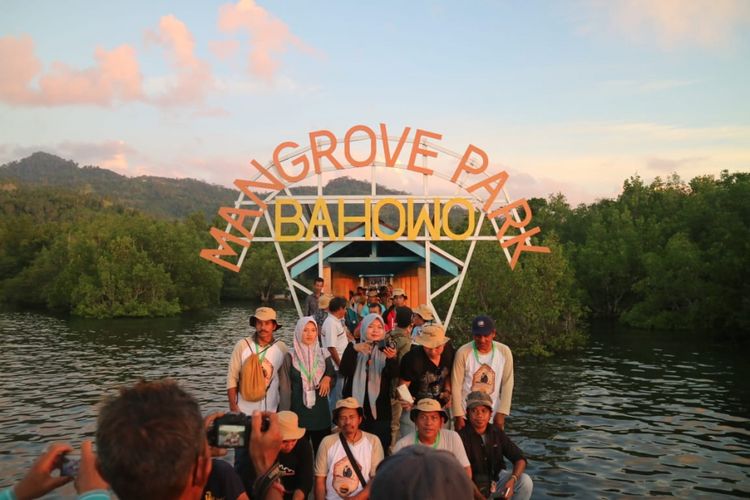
x: 310, y: 376
x: 368, y: 370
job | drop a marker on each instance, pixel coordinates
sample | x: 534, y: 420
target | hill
x: 164, y: 197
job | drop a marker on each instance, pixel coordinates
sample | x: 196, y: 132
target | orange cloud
x: 269, y: 36
x: 223, y: 49
x: 673, y: 23
x: 193, y: 78
x: 115, y: 78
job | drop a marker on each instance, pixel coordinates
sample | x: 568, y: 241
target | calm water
x: 630, y: 415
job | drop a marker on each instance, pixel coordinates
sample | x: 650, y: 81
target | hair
x: 148, y: 439
x: 337, y: 303
x: 319, y: 280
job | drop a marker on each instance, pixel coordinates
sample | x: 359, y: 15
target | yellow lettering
x: 281, y: 219
x: 366, y: 219
x: 401, y: 222
x: 446, y: 218
x: 423, y: 219
x: 320, y: 217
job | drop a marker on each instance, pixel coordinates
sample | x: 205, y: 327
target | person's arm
x: 298, y: 495
x: 38, y: 480
x: 348, y: 361
x: 506, y: 389
x: 457, y: 379
x: 320, y: 487
x: 304, y: 471
x: 285, y: 384
x: 233, y: 377
x: 335, y: 355
x: 328, y: 379
x: 264, y: 449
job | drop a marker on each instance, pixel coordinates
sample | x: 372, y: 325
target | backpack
x: 252, y: 380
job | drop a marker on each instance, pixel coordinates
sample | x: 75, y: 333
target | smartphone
x: 69, y: 465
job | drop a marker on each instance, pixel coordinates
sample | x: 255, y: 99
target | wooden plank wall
x: 413, y: 283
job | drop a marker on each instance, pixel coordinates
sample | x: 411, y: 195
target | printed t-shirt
x: 447, y: 440
x: 271, y: 359
x: 332, y: 462
x: 427, y: 380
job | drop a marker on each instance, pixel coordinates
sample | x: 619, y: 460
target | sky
x: 571, y: 97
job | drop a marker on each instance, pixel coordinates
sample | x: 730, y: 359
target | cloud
x: 269, y: 36
x: 115, y: 77
x: 192, y: 79
x: 223, y: 49
x: 668, y: 165
x: 671, y: 24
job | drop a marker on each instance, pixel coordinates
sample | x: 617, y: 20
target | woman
x: 368, y: 371
x: 310, y: 376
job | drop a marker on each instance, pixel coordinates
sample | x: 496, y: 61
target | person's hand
x: 508, y: 487
x: 406, y: 405
x: 88, y: 477
x: 390, y: 352
x: 38, y: 480
x: 363, y: 347
x: 208, y: 422
x: 500, y: 420
x: 325, y: 386
x: 264, y: 446
x: 459, y: 423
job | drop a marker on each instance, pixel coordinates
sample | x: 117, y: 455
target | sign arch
x: 415, y: 152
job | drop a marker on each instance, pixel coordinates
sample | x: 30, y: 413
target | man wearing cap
x: 421, y: 315
x: 399, y: 300
x: 483, y: 365
x: 295, y: 458
x: 426, y: 371
x: 429, y: 418
x: 487, y: 445
x: 271, y: 356
x: 311, y: 302
x: 373, y: 304
x: 335, y: 475
x: 322, y: 313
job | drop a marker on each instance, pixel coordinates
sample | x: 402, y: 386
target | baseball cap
x: 264, y: 314
x: 478, y: 398
x: 482, y: 325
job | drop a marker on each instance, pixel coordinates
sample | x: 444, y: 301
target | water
x: 633, y: 414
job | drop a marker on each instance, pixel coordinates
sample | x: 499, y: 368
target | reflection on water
x: 631, y: 415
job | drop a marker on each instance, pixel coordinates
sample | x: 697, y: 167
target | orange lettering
x: 465, y: 165
x: 273, y: 183
x: 347, y: 146
x: 521, y: 246
x: 417, y: 149
x: 317, y: 154
x: 494, y: 191
x: 391, y: 160
x: 215, y: 254
x: 300, y: 159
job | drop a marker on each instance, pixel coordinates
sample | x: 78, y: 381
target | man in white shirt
x: 482, y: 365
x: 336, y: 476
x: 429, y: 417
x: 335, y: 339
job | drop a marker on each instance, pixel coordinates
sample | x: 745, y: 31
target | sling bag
x: 352, y: 461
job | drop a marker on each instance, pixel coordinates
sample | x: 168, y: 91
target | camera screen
x: 230, y: 435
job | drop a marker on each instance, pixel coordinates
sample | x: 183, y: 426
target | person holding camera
x: 486, y: 445
x: 309, y: 373
x: 368, y: 368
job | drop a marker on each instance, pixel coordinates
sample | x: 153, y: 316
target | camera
x: 233, y: 430
x: 386, y: 342
x: 69, y: 465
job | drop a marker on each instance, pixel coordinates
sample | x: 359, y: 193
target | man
x: 311, y: 303
x: 429, y: 418
x: 422, y: 472
x: 421, y: 316
x: 483, y: 365
x: 401, y: 337
x: 335, y: 475
x: 426, y: 370
x: 322, y: 313
x: 295, y: 458
x: 373, y: 304
x: 270, y: 353
x: 335, y: 339
x: 399, y: 300
x: 486, y: 445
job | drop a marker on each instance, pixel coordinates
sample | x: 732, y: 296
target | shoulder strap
x: 352, y: 461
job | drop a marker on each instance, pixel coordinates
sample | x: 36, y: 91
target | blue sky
x: 567, y: 96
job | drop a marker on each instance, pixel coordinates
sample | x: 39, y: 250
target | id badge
x: 310, y: 396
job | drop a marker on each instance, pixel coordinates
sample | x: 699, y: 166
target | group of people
x: 352, y: 412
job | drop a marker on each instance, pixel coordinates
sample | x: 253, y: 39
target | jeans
x: 522, y: 489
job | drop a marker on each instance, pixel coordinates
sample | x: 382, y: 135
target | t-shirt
x: 491, y: 373
x: 334, y: 335
x: 447, y: 440
x: 271, y: 360
x: 296, y: 467
x: 426, y: 379
x: 311, y: 304
x: 223, y: 482
x: 332, y: 462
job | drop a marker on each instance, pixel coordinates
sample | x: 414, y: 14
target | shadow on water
x: 632, y: 414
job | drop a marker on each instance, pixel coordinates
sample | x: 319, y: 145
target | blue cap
x: 482, y: 325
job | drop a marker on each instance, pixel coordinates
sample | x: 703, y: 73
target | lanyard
x: 308, y: 375
x: 261, y: 355
x: 434, y: 445
x: 476, y: 353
